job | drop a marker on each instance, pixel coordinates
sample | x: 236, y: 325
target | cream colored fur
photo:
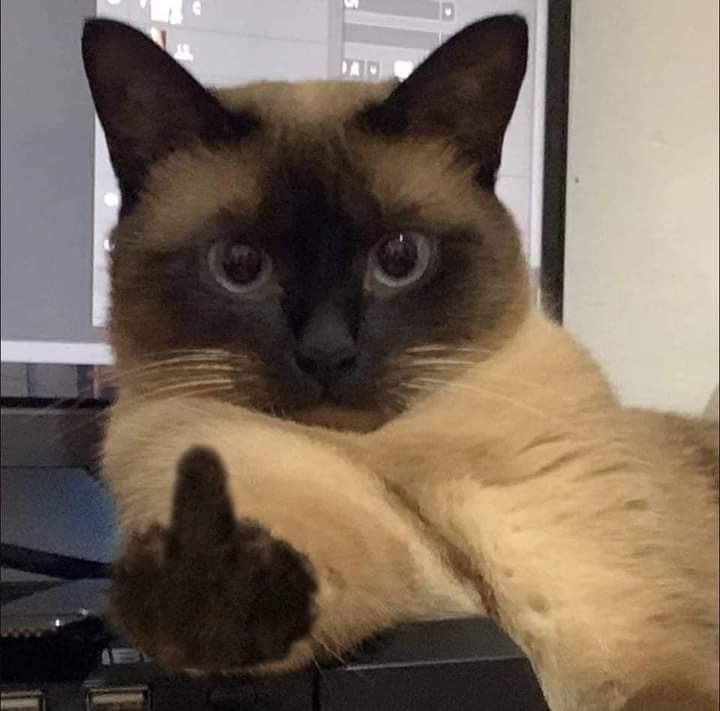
x: 596, y: 540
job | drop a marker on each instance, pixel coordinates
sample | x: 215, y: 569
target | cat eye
x: 399, y: 260
x: 238, y: 267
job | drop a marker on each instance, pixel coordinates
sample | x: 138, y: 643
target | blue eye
x: 400, y: 259
x: 238, y: 267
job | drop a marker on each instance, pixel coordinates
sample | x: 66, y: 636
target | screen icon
x: 169, y: 11
x: 352, y: 68
x: 183, y: 53
x: 402, y: 68
x: 447, y: 11
x: 111, y: 199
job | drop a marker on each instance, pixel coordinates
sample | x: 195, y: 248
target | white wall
x: 641, y: 270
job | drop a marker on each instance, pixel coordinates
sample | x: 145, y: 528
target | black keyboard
x: 75, y: 663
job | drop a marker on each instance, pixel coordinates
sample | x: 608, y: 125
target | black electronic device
x: 58, y: 653
x: 73, y: 662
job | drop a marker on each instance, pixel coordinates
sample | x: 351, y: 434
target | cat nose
x: 326, y: 366
x: 327, y: 349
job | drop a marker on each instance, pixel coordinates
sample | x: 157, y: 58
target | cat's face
x: 310, y: 249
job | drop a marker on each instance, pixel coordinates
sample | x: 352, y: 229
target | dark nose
x: 326, y: 351
x: 325, y: 366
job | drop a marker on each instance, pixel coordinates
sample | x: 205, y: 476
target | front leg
x: 208, y: 591
x: 601, y: 565
x: 263, y: 549
x: 611, y: 591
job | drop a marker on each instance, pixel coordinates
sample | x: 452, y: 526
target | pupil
x: 398, y: 256
x: 242, y: 263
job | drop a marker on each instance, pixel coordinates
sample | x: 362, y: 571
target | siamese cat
x: 338, y: 409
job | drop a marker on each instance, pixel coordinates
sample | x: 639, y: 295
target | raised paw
x: 211, y: 592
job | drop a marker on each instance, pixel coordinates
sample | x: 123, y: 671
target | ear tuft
x: 147, y: 103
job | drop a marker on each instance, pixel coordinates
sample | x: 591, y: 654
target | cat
x: 338, y: 410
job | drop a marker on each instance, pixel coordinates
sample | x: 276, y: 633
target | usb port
x: 21, y: 701
x: 120, y: 698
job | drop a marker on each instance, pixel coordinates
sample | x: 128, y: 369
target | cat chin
x: 337, y: 417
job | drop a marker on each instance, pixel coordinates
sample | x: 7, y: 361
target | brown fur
x: 506, y: 479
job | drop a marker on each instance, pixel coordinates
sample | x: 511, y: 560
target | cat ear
x: 147, y: 103
x: 464, y: 91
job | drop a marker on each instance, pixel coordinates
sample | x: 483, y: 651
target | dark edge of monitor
x: 552, y: 264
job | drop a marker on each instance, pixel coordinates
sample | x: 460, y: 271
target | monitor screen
x: 59, y: 195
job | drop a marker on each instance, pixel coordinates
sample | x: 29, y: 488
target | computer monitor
x: 59, y: 195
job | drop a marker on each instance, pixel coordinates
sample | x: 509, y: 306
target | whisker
x: 173, y: 371
x: 172, y: 355
x: 328, y: 649
x: 179, y: 393
x: 193, y: 363
x: 448, y: 364
x: 178, y: 362
x: 214, y: 364
x: 189, y: 385
x: 196, y: 391
x: 442, y: 348
x: 483, y: 392
x: 342, y: 661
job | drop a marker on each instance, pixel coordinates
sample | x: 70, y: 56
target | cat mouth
x: 350, y: 404
x: 334, y: 416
